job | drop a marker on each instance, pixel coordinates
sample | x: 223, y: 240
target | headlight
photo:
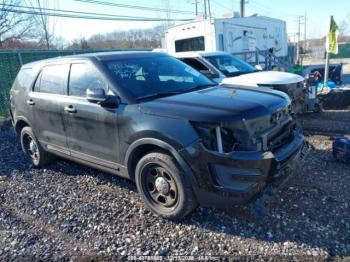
x: 215, y: 137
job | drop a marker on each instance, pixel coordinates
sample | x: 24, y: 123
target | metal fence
x: 11, y: 62
x: 343, y: 51
x: 267, y: 60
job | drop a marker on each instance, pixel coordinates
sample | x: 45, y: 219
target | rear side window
x: 84, y: 76
x: 52, y: 80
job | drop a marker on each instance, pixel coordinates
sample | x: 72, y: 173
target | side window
x: 84, y: 76
x: 52, y: 79
x: 194, y: 63
x: 190, y: 44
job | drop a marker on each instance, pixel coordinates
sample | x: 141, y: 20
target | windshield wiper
x: 158, y: 95
x: 205, y: 85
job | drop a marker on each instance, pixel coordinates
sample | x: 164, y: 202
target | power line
x: 221, y: 5
x: 261, y: 6
x: 79, y: 12
x: 80, y: 15
x: 90, y: 17
x: 136, y: 7
x: 267, y: 9
x: 257, y: 8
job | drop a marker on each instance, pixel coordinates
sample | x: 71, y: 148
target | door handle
x: 70, y: 109
x: 30, y: 102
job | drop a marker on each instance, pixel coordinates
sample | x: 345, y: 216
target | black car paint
x: 218, y: 104
x: 108, y: 137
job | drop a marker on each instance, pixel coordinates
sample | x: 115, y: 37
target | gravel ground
x: 71, y: 211
x: 328, y: 122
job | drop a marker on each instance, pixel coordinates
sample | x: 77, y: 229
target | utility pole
x: 304, y: 32
x: 301, y: 20
x: 209, y: 9
x: 298, y: 42
x: 205, y: 9
x: 242, y: 8
x: 196, y: 2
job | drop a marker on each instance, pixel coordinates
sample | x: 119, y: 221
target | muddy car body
x: 149, y: 117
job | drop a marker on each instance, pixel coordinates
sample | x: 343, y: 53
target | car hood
x: 218, y: 104
x: 264, y: 78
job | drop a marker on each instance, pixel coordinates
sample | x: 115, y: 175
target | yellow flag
x: 332, y: 37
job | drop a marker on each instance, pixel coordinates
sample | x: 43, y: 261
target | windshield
x: 230, y: 65
x: 155, y: 76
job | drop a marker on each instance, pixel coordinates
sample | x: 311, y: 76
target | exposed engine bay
x: 266, y: 133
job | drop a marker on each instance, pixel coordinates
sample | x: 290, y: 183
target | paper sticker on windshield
x: 231, y: 69
x: 192, y: 71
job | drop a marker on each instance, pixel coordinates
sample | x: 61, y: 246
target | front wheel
x: 163, y: 186
x: 31, y: 146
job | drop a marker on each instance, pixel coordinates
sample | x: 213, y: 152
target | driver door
x: 91, y: 130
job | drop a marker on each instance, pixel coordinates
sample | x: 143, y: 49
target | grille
x: 284, y: 136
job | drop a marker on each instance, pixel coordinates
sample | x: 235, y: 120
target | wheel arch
x: 20, y: 123
x: 143, y: 146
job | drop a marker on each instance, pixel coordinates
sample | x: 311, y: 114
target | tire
x: 31, y: 146
x: 163, y: 186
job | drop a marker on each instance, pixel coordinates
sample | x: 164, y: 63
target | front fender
x: 167, y: 147
x: 151, y: 141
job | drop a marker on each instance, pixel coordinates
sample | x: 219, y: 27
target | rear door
x: 44, y: 102
x: 92, y: 133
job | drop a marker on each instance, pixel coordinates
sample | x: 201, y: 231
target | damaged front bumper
x: 224, y: 180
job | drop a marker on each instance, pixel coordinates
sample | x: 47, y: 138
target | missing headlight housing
x: 215, y: 137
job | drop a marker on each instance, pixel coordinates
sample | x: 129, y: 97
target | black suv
x: 151, y: 118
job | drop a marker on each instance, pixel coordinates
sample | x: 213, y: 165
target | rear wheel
x: 163, y: 186
x: 31, y: 146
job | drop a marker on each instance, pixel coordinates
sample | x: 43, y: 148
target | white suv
x: 225, y: 68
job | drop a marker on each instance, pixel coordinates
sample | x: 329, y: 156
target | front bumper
x: 224, y: 180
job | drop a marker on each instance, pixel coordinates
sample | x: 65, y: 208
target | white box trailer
x: 233, y: 35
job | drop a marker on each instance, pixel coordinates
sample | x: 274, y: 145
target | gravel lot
x: 71, y: 211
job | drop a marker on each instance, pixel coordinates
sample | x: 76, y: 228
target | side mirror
x: 258, y: 67
x: 95, y: 95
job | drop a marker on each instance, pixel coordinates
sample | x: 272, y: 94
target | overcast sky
x: 317, y: 12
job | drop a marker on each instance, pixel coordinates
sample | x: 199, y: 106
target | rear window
x: 190, y: 44
x: 52, y: 80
